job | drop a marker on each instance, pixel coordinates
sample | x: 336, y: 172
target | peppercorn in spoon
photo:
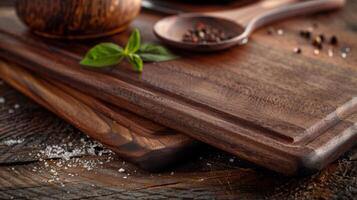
x: 221, y: 30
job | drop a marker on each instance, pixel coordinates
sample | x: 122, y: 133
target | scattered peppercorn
x: 317, y: 42
x: 305, y: 34
x: 270, y: 31
x: 203, y: 33
x: 333, y: 40
x: 322, y: 37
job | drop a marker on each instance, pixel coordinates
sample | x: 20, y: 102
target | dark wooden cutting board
x: 149, y: 145
x: 260, y: 102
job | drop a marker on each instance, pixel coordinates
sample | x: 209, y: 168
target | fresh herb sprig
x: 110, y: 54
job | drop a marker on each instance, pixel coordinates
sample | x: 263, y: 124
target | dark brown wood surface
x: 210, y: 175
x: 138, y: 140
x: 256, y: 101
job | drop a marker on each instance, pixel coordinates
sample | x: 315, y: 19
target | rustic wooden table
x: 28, y: 132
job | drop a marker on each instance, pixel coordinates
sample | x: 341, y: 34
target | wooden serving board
x: 260, y: 102
x: 136, y: 139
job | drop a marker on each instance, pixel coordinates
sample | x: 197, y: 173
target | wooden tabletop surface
x: 27, y: 172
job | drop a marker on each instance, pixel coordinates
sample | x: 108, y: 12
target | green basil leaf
x: 134, y: 42
x: 153, y: 48
x: 136, y: 61
x: 147, y: 57
x: 103, y: 55
x: 155, y: 53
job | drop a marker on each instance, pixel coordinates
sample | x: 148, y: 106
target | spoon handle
x: 245, y: 14
x: 290, y: 10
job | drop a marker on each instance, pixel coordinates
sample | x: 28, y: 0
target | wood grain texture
x: 221, y: 179
x: 78, y: 19
x: 255, y: 101
x: 337, y: 182
x: 196, y: 179
x: 136, y: 139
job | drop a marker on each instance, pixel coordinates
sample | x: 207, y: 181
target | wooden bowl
x: 77, y: 19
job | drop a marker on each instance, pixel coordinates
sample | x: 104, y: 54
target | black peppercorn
x: 270, y: 31
x: 203, y: 33
x: 322, y: 37
x: 302, y: 33
x: 297, y: 50
x: 305, y: 34
x: 308, y: 34
x: 317, y: 42
x: 334, y: 40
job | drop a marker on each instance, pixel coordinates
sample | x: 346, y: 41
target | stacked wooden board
x: 141, y: 141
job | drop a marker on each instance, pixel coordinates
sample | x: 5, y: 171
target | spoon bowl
x: 237, y: 24
x: 171, y: 31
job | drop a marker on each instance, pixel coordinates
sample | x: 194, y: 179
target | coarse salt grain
x: 121, y: 170
x: 316, y: 52
x: 344, y: 55
x: 244, y: 41
x: 16, y: 106
x: 346, y: 49
x: 13, y: 142
x: 297, y: 50
x: 280, y: 32
x: 330, y: 53
x: 56, y: 151
x: 66, y: 158
x: 2, y: 100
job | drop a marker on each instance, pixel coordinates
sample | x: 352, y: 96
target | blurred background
x: 229, y: 2
x: 6, y: 2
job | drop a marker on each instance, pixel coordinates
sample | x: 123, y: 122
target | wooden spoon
x: 238, y: 23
